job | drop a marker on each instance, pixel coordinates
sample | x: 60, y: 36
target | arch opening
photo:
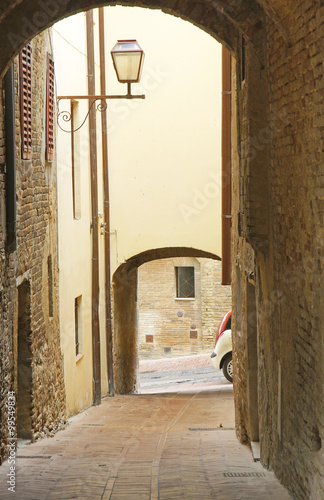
x: 21, y: 21
x: 275, y: 134
x: 125, y: 299
x: 128, y: 273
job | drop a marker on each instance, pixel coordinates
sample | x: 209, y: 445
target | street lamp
x: 128, y: 58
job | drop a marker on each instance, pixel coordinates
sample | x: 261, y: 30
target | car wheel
x: 228, y: 367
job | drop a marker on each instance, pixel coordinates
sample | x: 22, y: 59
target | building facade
x: 181, y: 302
x: 31, y: 359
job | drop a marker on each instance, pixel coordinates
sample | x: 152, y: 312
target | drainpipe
x: 106, y: 203
x: 9, y: 85
x: 94, y: 214
x: 226, y: 167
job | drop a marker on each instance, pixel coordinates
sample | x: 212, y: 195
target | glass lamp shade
x: 128, y: 58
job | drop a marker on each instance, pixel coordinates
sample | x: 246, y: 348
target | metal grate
x: 185, y: 282
x: 92, y: 425
x: 211, y: 429
x: 244, y: 474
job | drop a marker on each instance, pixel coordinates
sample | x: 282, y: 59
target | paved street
x: 180, y: 378
x: 180, y: 374
x: 173, y: 374
x: 165, y: 446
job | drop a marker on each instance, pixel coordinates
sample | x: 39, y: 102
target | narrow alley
x: 148, y: 446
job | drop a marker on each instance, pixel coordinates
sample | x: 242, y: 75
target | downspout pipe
x: 94, y: 214
x: 104, y: 141
x: 226, y: 167
x: 9, y: 86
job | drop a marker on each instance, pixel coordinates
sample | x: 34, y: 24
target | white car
x: 222, y: 354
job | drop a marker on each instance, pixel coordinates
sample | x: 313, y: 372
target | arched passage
x: 278, y: 229
x: 125, y: 313
x: 22, y: 20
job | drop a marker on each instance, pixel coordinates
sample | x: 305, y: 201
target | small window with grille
x: 50, y: 286
x: 78, y: 326
x: 185, y: 281
x: 50, y: 109
x: 25, y: 88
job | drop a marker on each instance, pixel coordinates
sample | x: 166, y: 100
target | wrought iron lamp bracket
x: 101, y: 106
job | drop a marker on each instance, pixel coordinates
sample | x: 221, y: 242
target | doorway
x: 252, y: 353
x: 24, y: 366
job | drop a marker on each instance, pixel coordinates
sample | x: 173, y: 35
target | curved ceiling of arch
x: 21, y: 20
x: 163, y: 253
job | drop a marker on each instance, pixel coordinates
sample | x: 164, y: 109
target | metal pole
x: 94, y: 214
x: 226, y: 167
x: 106, y: 203
x: 72, y: 156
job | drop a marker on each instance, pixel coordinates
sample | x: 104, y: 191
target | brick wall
x: 296, y: 86
x: 216, y: 300
x: 171, y: 326
x: 283, y: 263
x: 36, y: 250
x: 6, y: 358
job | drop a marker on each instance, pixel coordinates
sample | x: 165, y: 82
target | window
x: 78, y: 326
x: 25, y: 70
x: 50, y: 286
x: 50, y: 109
x: 185, y: 280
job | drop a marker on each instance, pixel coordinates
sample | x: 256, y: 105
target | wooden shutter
x: 50, y: 109
x: 25, y: 71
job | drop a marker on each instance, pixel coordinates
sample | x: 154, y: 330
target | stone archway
x: 278, y: 230
x: 125, y: 313
x: 21, y: 20
x: 225, y: 21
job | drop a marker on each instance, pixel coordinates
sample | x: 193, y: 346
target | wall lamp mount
x: 128, y: 58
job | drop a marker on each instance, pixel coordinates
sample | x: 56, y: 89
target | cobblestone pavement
x: 172, y: 363
x: 179, y: 374
x: 166, y: 446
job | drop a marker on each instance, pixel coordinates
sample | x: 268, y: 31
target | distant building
x: 180, y: 304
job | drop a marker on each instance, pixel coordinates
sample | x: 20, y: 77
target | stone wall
x: 296, y: 88
x: 29, y: 276
x: 278, y: 313
x: 174, y: 326
x: 216, y: 300
x: 6, y: 361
